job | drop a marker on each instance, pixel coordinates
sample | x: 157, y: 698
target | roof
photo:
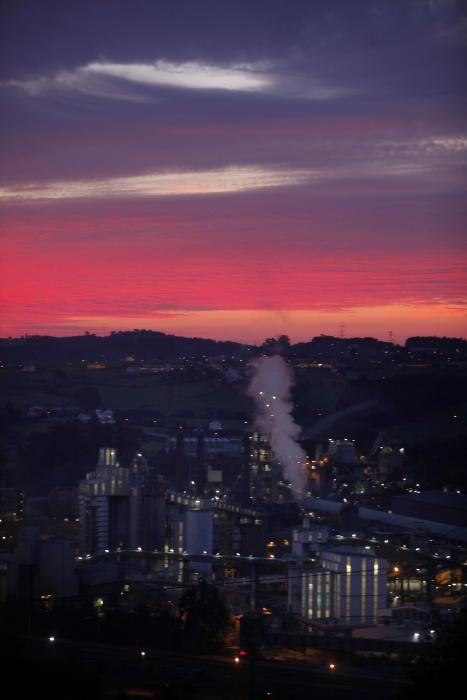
x: 401, y: 521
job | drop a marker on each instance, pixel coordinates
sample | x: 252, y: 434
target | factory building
x: 349, y: 587
x: 120, y: 506
x: 262, y: 476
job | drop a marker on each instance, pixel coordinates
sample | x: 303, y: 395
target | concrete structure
x: 196, y: 455
x: 341, y: 452
x: 441, y: 506
x: 210, y: 526
x: 262, y: 474
x: 11, y: 504
x: 333, y: 510
x: 120, y: 507
x: 348, y: 588
x: 213, y: 444
x: 309, y: 539
x: 57, y: 576
x: 42, y: 567
x: 199, y: 537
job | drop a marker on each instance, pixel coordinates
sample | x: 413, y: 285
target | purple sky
x: 234, y: 169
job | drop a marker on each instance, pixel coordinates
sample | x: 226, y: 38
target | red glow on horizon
x: 66, y: 273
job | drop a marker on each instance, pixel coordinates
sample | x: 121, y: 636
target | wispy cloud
x: 195, y: 76
x: 233, y: 179
x: 446, y: 143
x: 165, y: 184
x: 131, y: 81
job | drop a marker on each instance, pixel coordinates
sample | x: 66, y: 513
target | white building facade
x: 349, y: 587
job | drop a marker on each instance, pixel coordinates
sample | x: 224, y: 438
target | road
x: 122, y: 672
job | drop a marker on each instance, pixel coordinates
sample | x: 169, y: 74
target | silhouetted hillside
x: 434, y: 343
x: 143, y: 344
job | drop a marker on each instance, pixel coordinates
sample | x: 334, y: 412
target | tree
x: 441, y: 667
x: 204, y: 615
x: 88, y: 398
x: 276, y: 346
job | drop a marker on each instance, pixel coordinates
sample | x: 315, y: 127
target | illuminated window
x: 310, y: 597
x: 348, y: 580
x: 337, y: 596
x: 363, y: 611
x: 375, y: 590
x: 318, y: 596
x: 327, y: 596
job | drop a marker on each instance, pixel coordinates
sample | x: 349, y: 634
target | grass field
x: 167, y: 395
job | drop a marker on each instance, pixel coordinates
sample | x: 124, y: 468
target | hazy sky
x: 234, y: 169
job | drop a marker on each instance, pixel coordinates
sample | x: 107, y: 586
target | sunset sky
x: 234, y: 169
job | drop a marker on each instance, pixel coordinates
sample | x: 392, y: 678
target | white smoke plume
x: 270, y: 388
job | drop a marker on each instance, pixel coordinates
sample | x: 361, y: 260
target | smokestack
x: 270, y: 388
